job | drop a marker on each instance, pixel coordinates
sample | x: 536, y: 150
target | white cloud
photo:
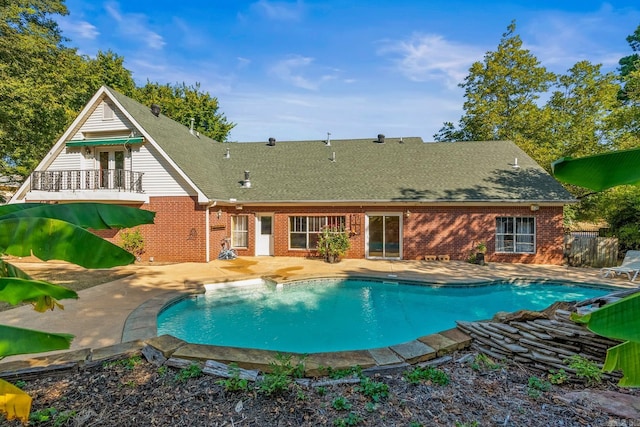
x: 135, y: 26
x: 82, y: 29
x: 243, y: 62
x: 560, y: 39
x: 290, y: 70
x: 426, y: 57
x: 279, y: 10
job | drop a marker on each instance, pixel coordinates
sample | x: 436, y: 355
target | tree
x: 575, y: 116
x: 501, y: 94
x: 183, y: 103
x: 52, y: 232
x: 42, y: 83
x: 108, y: 69
x: 630, y: 63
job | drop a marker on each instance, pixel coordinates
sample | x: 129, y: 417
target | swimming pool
x: 324, y: 315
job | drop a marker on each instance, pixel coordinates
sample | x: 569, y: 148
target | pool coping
x: 141, y: 326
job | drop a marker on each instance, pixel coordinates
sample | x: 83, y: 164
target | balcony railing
x: 90, y: 179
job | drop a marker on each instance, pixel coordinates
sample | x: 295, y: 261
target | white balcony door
x: 111, y: 163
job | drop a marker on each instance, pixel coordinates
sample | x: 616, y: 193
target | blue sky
x: 298, y: 69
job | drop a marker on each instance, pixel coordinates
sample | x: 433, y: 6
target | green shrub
x: 374, y: 390
x: 352, y: 420
x: 536, y: 386
x: 193, y: 371
x: 133, y: 242
x: 585, y: 369
x: 418, y: 374
x: 557, y: 376
x: 281, y: 375
x: 234, y: 383
x: 341, y: 403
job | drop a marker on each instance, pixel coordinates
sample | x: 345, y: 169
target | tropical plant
x: 333, y: 243
x: 53, y: 232
x: 621, y: 319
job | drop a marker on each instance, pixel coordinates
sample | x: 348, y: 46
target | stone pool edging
x: 139, y: 336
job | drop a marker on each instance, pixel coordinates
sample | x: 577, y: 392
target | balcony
x: 91, y: 179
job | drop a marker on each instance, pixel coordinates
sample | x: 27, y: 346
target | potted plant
x: 333, y: 243
x: 481, y: 249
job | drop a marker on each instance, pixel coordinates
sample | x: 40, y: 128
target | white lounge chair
x: 630, y: 266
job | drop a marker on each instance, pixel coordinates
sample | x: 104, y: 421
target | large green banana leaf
x: 600, y: 171
x: 24, y: 341
x: 620, y: 320
x: 97, y: 216
x: 53, y: 239
x: 15, y: 290
x: 8, y: 270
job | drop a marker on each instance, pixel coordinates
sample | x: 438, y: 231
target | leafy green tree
x: 501, y: 94
x: 575, y: 116
x: 42, y: 83
x: 108, y: 69
x: 630, y: 63
x: 183, y: 103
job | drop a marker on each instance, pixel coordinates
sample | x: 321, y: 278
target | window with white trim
x: 239, y: 231
x: 305, y: 230
x: 516, y: 235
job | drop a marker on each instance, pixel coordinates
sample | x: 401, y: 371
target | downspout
x: 207, y: 230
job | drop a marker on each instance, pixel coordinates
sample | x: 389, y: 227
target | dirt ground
x: 133, y: 392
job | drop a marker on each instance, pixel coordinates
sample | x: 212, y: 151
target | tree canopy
x: 44, y: 84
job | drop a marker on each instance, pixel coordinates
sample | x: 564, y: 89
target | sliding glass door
x: 384, y: 236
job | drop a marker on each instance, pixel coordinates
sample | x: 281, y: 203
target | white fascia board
x: 202, y: 199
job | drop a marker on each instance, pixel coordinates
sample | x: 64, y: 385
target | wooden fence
x: 597, y: 252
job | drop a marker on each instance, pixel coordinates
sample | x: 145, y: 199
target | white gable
x: 102, y: 119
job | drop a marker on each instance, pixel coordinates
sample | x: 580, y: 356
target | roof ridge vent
x: 380, y: 139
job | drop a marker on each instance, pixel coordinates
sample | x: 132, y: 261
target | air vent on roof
x: 328, y: 139
x: 401, y: 141
x: 227, y: 155
x: 247, y: 180
x: 272, y: 142
x: 155, y: 109
x: 380, y: 138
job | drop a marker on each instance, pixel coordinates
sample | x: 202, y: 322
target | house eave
x: 85, y: 196
x: 433, y: 203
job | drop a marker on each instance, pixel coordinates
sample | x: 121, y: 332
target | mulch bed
x: 133, y: 392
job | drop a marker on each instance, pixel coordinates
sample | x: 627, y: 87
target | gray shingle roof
x: 363, y: 171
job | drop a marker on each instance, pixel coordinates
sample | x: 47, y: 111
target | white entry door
x: 264, y: 234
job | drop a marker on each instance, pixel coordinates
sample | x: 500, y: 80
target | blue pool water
x: 346, y: 314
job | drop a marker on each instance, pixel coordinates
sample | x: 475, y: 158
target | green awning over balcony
x: 104, y: 141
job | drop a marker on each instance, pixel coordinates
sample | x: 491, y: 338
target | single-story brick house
x: 400, y: 198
